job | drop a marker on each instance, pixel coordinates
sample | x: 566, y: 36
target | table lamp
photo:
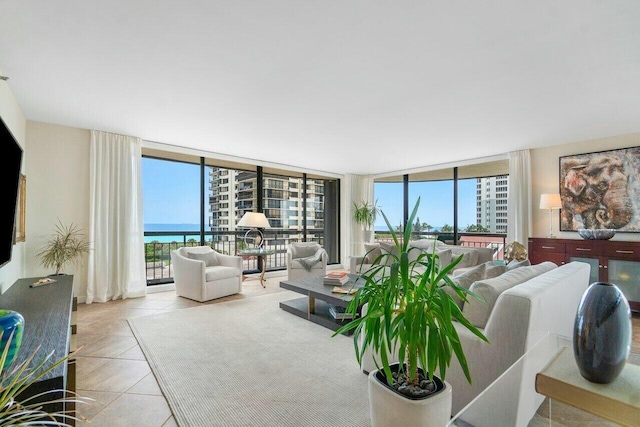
x: 255, y: 221
x: 550, y: 202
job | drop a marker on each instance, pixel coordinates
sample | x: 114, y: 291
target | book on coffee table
x: 342, y: 290
x: 339, y: 313
x: 336, y: 278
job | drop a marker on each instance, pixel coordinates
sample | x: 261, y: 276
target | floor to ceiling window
x: 200, y: 201
x: 466, y: 205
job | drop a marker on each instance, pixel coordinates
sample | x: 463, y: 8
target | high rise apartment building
x: 491, y: 202
x: 233, y: 192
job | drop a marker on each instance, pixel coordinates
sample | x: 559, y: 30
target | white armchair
x: 306, y: 259
x: 202, y: 274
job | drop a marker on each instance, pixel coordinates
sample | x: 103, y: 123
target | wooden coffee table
x: 315, y: 306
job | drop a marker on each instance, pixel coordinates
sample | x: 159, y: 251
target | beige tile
x: 100, y: 400
x: 152, y: 304
x: 108, y: 346
x: 130, y: 410
x: 147, y: 385
x: 134, y: 353
x: 119, y: 327
x: 115, y: 375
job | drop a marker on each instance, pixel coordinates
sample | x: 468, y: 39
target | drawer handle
x: 624, y: 252
x: 548, y: 247
x: 583, y: 249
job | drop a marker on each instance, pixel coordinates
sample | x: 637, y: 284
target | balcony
x: 159, y: 244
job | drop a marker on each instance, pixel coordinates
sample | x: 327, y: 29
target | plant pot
x: 390, y: 408
x: 367, y: 236
x: 602, y: 333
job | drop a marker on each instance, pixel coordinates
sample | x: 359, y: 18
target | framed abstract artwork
x: 601, y: 190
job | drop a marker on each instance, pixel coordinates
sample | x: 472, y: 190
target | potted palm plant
x: 408, y: 316
x: 364, y: 213
x: 67, y: 244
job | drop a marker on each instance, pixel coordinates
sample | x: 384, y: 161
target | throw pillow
x: 372, y: 251
x: 210, y: 259
x: 477, y: 312
x: 445, y: 257
x: 388, y: 248
x: 303, y: 250
x: 465, y: 280
x: 469, y: 257
x: 513, y: 264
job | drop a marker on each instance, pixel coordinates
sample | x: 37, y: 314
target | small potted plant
x: 364, y: 213
x: 66, y: 244
x: 408, y: 316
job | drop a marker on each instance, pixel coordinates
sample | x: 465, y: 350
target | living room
x: 568, y: 86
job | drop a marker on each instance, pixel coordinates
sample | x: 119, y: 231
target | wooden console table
x: 611, y: 261
x: 49, y: 322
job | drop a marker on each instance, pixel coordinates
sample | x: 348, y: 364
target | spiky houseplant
x: 365, y: 213
x: 14, y: 380
x: 409, y: 316
x: 65, y: 245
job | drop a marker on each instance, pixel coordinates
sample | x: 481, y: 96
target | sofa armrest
x: 354, y: 264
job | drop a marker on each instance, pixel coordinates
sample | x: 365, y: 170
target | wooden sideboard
x: 611, y: 261
x: 49, y: 313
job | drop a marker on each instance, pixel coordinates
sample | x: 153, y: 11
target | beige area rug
x: 249, y: 363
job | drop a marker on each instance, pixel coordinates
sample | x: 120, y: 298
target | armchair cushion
x: 219, y: 272
x: 303, y: 249
x: 210, y: 259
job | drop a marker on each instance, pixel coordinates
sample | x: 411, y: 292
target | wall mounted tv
x: 11, y: 162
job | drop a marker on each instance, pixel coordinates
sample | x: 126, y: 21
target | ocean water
x: 170, y: 227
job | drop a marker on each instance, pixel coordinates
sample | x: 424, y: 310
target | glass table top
x: 512, y: 400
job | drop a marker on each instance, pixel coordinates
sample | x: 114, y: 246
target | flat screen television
x: 11, y: 160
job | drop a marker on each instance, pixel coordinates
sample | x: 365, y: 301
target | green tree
x: 446, y: 228
x: 476, y: 228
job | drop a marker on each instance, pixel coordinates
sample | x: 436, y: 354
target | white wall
x: 14, y: 118
x: 57, y: 189
x: 545, y: 179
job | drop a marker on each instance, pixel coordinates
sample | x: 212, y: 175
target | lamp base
x: 258, y: 241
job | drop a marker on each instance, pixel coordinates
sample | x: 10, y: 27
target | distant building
x: 233, y: 192
x: 491, y: 202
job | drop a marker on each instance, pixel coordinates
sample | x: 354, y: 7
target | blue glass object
x: 11, y: 322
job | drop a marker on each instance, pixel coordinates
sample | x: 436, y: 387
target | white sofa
x: 202, y: 274
x: 472, y: 256
x: 521, y: 316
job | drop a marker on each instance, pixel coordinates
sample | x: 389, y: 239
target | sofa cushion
x: 486, y: 270
x: 477, y: 312
x: 210, y: 259
x: 372, y: 251
x: 513, y: 264
x: 219, y: 272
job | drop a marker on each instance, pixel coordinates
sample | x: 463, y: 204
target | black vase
x: 602, y: 333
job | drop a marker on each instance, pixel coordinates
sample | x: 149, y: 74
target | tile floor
x: 112, y: 369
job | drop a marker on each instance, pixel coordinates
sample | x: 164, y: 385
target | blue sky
x: 171, y: 196
x: 436, y: 202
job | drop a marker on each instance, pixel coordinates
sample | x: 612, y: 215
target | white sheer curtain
x: 519, y: 210
x: 358, y: 188
x: 116, y: 263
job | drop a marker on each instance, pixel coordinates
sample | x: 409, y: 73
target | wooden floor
x: 112, y: 369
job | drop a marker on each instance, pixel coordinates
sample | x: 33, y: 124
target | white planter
x: 389, y: 408
x: 367, y: 236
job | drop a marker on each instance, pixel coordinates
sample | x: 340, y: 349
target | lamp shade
x: 254, y: 220
x: 550, y: 201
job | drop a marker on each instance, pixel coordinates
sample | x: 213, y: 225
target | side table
x: 247, y: 253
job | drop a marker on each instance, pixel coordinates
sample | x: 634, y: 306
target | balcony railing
x: 161, y: 243
x: 495, y: 241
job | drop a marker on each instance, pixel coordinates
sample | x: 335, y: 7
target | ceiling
x: 360, y: 86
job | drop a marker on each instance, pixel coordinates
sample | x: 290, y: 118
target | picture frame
x: 19, y: 235
x: 601, y: 190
